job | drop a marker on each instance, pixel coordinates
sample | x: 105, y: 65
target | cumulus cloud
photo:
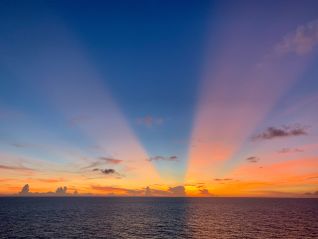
x: 252, y: 159
x: 302, y: 41
x: 290, y: 150
x: 163, y: 158
x: 150, y: 121
x: 60, y: 191
x: 25, y: 190
x: 280, y: 132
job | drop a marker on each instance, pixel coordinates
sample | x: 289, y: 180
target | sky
x: 159, y: 98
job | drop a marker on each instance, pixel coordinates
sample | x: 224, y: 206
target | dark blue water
x: 158, y: 218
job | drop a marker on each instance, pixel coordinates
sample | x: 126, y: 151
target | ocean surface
x: 158, y: 218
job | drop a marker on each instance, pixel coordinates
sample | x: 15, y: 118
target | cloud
x: 18, y: 168
x: 302, y: 41
x: 205, y: 192
x: 108, y: 171
x: 252, y: 159
x: 178, y: 191
x: 149, y: 121
x: 284, y: 131
x: 61, y: 190
x: 290, y: 150
x: 163, y: 158
x: 25, y: 190
x: 223, y: 179
x: 115, y: 190
x: 100, y: 161
x: 110, y: 160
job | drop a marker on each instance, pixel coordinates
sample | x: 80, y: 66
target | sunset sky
x: 159, y: 98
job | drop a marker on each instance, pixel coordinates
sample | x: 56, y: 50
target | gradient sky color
x: 159, y: 98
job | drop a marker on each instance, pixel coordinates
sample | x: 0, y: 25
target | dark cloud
x: 163, y: 158
x: 284, y: 131
x: 61, y: 190
x: 149, y: 121
x: 108, y: 171
x: 312, y: 194
x: 252, y: 159
x: 25, y: 190
x: 290, y: 150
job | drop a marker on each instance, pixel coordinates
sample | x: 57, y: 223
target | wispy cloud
x: 301, y: 41
x: 51, y: 180
x: 109, y: 160
x: 252, y: 159
x: 100, y: 161
x: 223, y: 179
x: 163, y: 158
x: 280, y: 132
x: 150, y: 121
x: 290, y: 150
x: 117, y: 190
x: 18, y: 168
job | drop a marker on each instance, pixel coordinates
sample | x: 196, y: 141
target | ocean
x: 89, y: 217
